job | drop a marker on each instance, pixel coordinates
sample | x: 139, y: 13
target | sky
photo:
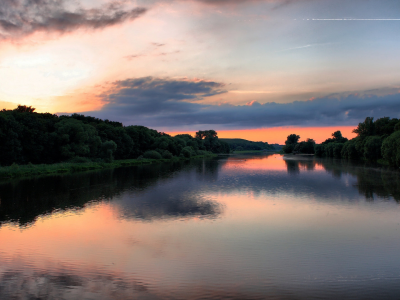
x: 250, y: 68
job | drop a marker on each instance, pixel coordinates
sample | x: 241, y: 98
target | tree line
x: 43, y: 138
x: 375, y: 140
x: 241, y: 145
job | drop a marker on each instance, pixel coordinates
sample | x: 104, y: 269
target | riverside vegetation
x: 376, y: 141
x: 41, y: 143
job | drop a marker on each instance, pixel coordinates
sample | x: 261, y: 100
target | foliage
x: 167, y: 155
x: 336, y: 138
x: 188, y: 152
x: 372, y: 148
x: 349, y: 150
x: 242, y: 144
x: 152, y: 154
x: 42, y: 138
x: 391, y: 149
x: 375, y: 140
x: 306, y: 147
x: 290, y: 143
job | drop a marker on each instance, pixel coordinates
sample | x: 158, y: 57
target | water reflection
x: 240, y: 227
x: 372, y: 181
x: 23, y: 201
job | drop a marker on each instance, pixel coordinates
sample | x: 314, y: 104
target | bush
x: 372, y: 148
x: 391, y: 149
x: 319, y: 150
x: 167, y: 155
x: 188, y: 152
x: 329, y: 150
x: 349, y: 150
x: 152, y: 154
x: 203, y: 152
x: 337, y: 150
x: 288, y: 148
x: 79, y: 160
x: 108, y: 148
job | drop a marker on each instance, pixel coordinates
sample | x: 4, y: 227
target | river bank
x: 15, y: 171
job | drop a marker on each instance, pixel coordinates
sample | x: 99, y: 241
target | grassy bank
x: 15, y: 170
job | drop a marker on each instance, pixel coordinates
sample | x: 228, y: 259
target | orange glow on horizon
x: 278, y: 135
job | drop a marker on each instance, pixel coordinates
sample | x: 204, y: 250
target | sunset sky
x: 247, y: 68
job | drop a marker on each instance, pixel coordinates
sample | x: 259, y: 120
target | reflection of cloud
x: 164, y: 102
x: 156, y: 204
x: 66, y: 283
x: 157, y: 193
x: 19, y: 18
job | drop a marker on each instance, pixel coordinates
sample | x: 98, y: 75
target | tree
x: 336, y: 138
x: 306, y: 147
x: 385, y: 126
x: 292, y: 139
x: 372, y: 148
x: 206, y: 134
x: 391, y: 149
x: 24, y: 108
x: 366, y: 128
x: 349, y: 150
x: 291, y: 143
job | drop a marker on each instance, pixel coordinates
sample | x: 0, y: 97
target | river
x: 235, y: 227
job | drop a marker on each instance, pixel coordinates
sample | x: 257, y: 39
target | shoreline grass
x: 15, y: 171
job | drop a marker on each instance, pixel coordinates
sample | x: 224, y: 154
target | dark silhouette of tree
x: 365, y: 128
x: 24, y: 108
x: 291, y: 143
x: 30, y: 137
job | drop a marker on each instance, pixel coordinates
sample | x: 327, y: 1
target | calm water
x: 243, y: 227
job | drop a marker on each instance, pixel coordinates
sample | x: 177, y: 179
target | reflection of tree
x: 292, y: 166
x: 23, y: 201
x: 207, y: 171
x: 295, y: 165
x: 371, y: 179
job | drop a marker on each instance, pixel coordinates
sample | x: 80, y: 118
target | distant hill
x: 242, y: 144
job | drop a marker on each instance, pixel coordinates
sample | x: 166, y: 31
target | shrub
x: 349, y: 150
x: 152, y: 154
x: 288, y: 148
x: 372, y: 148
x: 167, y: 155
x: 337, y: 149
x: 188, y: 152
x: 79, y: 160
x: 203, y: 152
x: 391, y: 149
x: 319, y: 150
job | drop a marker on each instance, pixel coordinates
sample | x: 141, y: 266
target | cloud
x: 20, y: 18
x: 155, y: 96
x: 156, y: 103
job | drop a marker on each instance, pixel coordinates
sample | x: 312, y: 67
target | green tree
x: 107, y: 150
x: 391, y: 149
x: 365, y: 128
x: 291, y: 143
x: 77, y: 139
x: 349, y: 150
x: 372, y: 148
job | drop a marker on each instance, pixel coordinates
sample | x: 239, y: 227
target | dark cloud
x: 19, y: 18
x: 158, y: 102
x: 154, y: 96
